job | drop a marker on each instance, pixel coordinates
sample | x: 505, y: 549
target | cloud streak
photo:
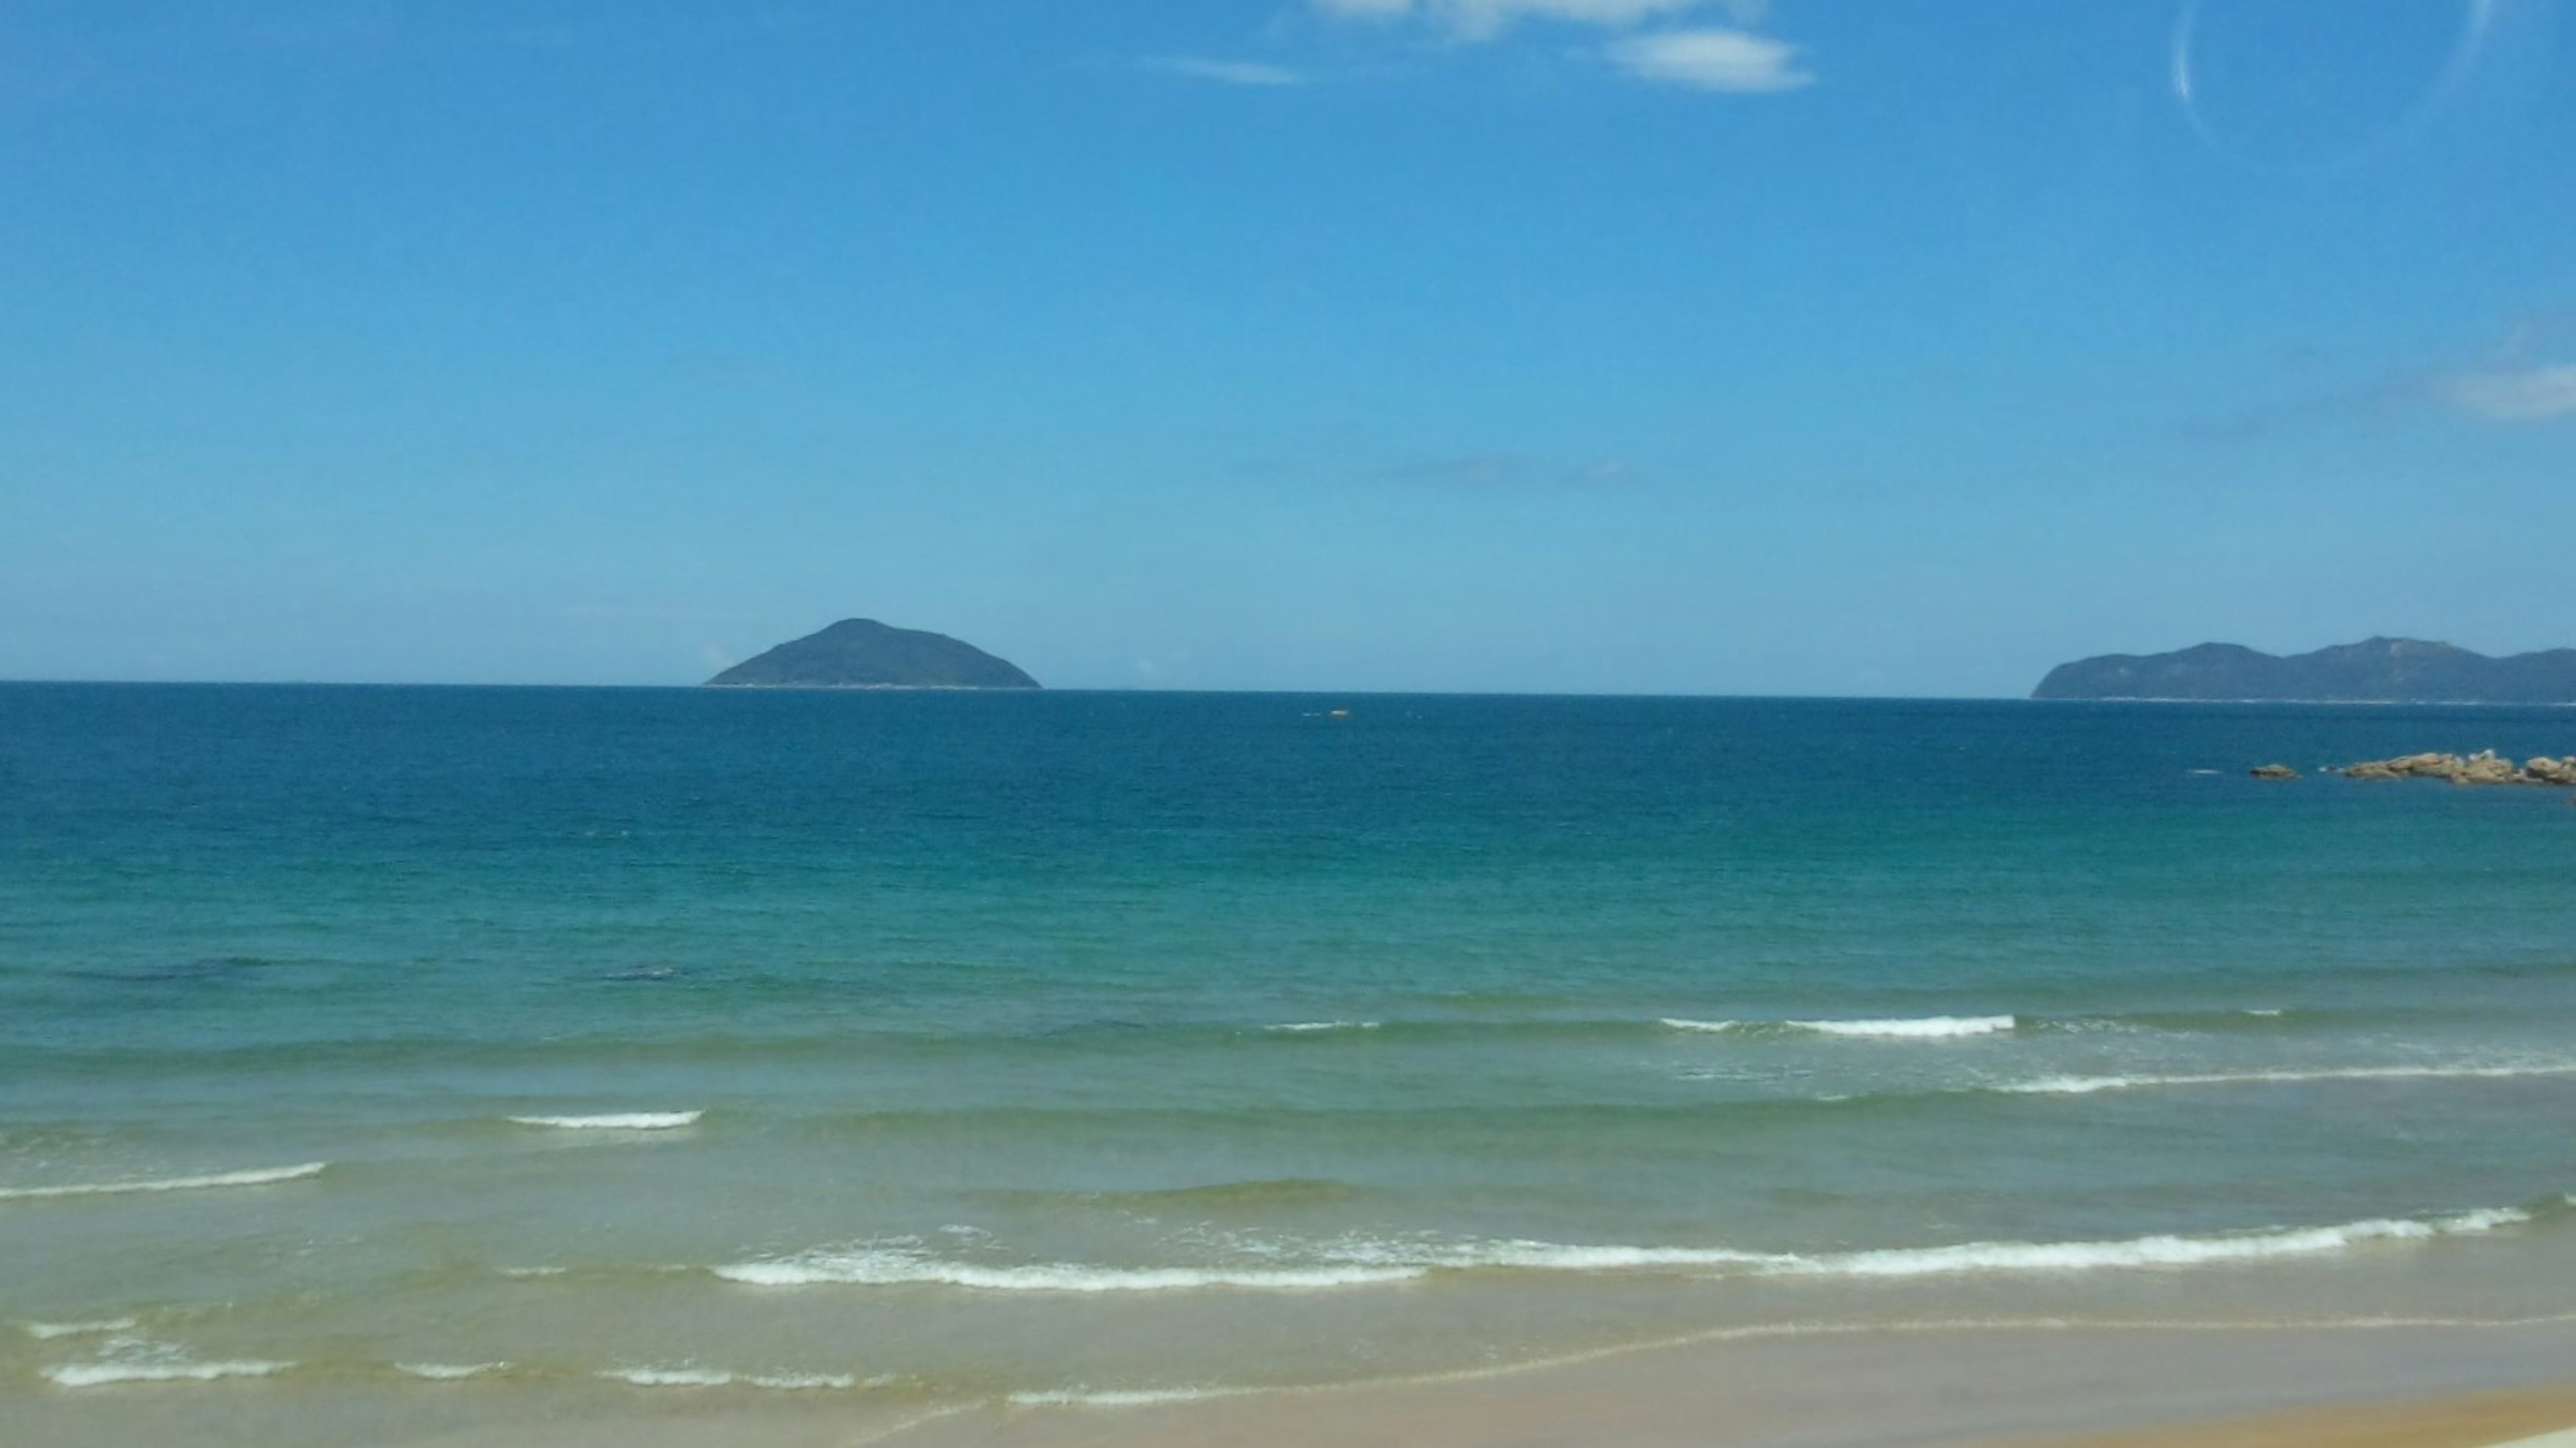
x: 1485, y: 19
x: 1653, y: 44
x: 1712, y: 59
x: 1225, y: 72
x: 2530, y: 394
x: 2512, y: 386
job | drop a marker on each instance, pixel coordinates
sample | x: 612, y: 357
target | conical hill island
x: 861, y: 653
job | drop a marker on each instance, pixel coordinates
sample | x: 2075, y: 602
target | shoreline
x: 1956, y: 1383
x: 2007, y: 1385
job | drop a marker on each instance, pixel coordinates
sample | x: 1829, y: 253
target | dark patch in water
x: 209, y: 970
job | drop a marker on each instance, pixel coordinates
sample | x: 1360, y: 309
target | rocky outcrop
x: 2483, y: 767
x: 2274, y: 771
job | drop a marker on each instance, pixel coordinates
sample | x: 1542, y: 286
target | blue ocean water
x: 945, y: 1046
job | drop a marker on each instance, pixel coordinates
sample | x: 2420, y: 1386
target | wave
x: 2156, y: 1251
x: 268, y: 1176
x: 47, y: 1331
x: 615, y: 1121
x: 2087, y: 1085
x: 887, y: 1267
x: 1918, y: 1028
x: 1309, y: 1028
x: 709, y: 1378
x: 1122, y: 1397
x: 1364, y: 1264
x: 93, y: 1375
x: 450, y: 1372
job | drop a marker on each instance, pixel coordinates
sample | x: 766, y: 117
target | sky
x: 1817, y: 347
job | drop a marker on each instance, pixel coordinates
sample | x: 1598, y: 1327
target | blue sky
x: 1811, y: 347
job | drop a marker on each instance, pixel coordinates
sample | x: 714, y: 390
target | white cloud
x: 1485, y: 19
x: 1712, y: 59
x: 1226, y: 72
x: 2533, y: 394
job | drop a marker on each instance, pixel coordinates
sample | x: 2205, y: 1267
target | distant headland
x: 2375, y: 671
x: 861, y: 653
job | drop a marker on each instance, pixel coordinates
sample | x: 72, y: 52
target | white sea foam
x: 708, y: 1378
x: 1308, y: 1028
x: 450, y: 1372
x: 2087, y: 1085
x: 668, y: 1377
x: 1570, y: 1257
x: 801, y: 1382
x: 1922, y: 1028
x: 1925, y: 1028
x: 885, y: 1267
x: 2156, y: 1251
x: 93, y: 1375
x: 1122, y: 1397
x: 2163, y: 1250
x: 264, y: 1177
x: 1361, y: 1262
x: 47, y: 1331
x: 616, y: 1121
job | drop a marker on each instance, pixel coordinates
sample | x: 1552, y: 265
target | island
x: 2375, y: 671
x: 861, y: 653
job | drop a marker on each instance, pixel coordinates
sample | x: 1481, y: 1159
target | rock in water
x: 2275, y: 771
x: 2483, y: 767
x: 861, y: 653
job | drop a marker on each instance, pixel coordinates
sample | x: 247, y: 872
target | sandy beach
x: 2392, y: 1387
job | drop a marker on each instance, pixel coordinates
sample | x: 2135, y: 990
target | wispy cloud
x: 1484, y: 19
x: 1225, y: 72
x: 2528, y: 394
x: 1712, y: 59
x: 1654, y: 47
x: 2511, y: 385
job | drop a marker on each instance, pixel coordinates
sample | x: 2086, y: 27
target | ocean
x: 458, y: 1044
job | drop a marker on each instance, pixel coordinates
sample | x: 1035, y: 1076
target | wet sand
x: 2476, y: 1420
x: 1933, y: 1386
x: 2391, y: 1387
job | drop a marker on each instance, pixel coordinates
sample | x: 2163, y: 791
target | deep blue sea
x: 939, y: 1046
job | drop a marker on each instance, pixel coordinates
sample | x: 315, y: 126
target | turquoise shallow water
x: 940, y: 1046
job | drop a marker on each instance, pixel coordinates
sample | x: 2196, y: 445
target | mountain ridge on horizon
x: 2377, y: 670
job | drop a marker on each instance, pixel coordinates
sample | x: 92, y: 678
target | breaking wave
x: 615, y: 1121
x: 93, y: 1375
x: 265, y: 1177
x: 709, y: 1378
x: 1365, y: 1263
x: 887, y: 1267
x: 2087, y: 1085
x: 2155, y: 1251
x: 47, y: 1331
x: 1916, y: 1028
x: 450, y: 1372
